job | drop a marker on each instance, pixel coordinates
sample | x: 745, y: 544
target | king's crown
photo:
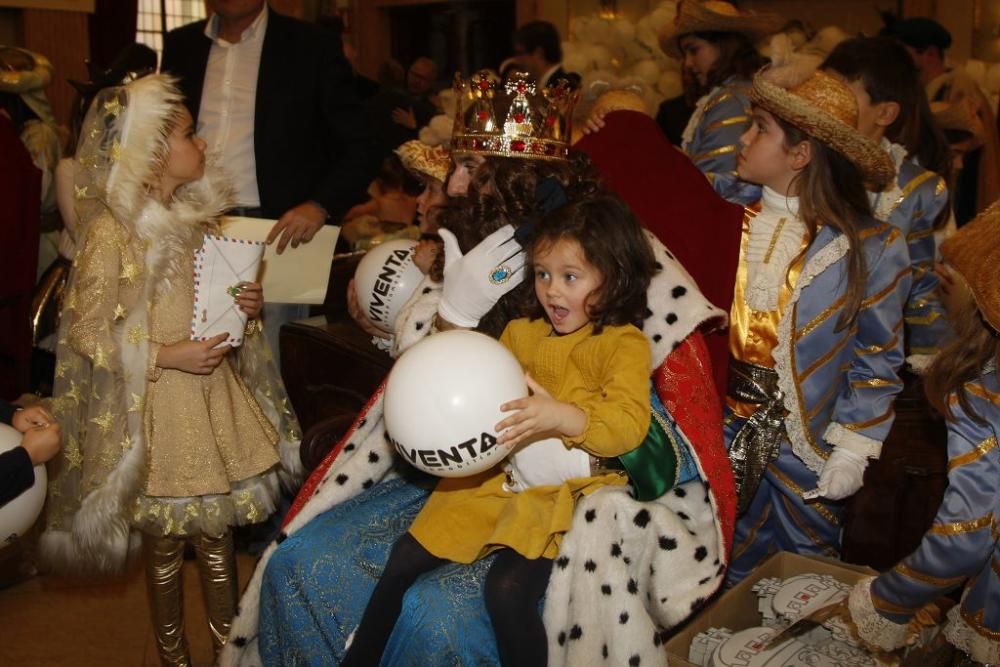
x: 512, y: 119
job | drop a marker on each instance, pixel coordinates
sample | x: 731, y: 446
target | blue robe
x: 838, y: 386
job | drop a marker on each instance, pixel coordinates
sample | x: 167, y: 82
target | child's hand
x: 41, y: 443
x: 31, y: 417
x: 194, y: 356
x: 539, y: 414
x: 359, y: 316
x: 251, y: 299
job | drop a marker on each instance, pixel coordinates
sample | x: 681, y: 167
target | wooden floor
x: 51, y: 621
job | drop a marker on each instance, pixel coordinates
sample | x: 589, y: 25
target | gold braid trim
x: 961, y: 527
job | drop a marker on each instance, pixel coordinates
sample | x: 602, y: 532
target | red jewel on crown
x: 519, y: 117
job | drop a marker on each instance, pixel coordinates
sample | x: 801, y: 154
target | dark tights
x: 514, y: 585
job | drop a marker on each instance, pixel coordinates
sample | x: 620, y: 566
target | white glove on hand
x: 842, y: 475
x: 473, y: 283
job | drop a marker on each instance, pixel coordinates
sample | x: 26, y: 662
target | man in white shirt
x: 274, y: 98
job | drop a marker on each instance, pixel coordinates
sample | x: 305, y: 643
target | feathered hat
x: 715, y: 16
x: 513, y: 119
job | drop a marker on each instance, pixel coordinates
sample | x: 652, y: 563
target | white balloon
x: 442, y: 400
x: 385, y: 279
x: 19, y: 515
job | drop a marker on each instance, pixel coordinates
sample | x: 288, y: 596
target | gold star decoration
x: 116, y: 151
x: 61, y: 368
x: 73, y: 456
x: 130, y: 271
x: 113, y: 107
x: 101, y: 359
x: 104, y: 422
x: 136, y: 334
x: 120, y: 312
x: 126, y: 443
x: 81, y: 191
x: 74, y: 392
x: 136, y: 403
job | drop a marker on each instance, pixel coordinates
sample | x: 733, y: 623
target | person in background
x: 884, y: 81
x: 961, y: 545
x: 39, y: 443
x: 715, y: 43
x: 274, y: 98
x: 538, y: 51
x: 978, y: 183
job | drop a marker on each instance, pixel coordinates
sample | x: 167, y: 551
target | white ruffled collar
x: 776, y: 235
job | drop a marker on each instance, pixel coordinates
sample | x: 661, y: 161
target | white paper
x: 220, y: 265
x: 298, y: 275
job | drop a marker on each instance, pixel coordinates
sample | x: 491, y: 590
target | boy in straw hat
x: 715, y: 43
x: 817, y: 306
x: 960, y: 545
x: 884, y: 81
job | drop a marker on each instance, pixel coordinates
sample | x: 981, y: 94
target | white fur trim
x: 874, y: 628
x: 966, y: 638
x: 782, y: 353
x: 417, y: 316
x: 919, y: 363
x: 885, y: 202
x: 677, y: 307
x: 840, y: 436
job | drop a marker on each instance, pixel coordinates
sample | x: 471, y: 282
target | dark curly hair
x: 502, y: 191
x: 614, y: 243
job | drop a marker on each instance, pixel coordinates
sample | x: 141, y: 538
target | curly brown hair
x: 614, y: 243
x: 501, y: 192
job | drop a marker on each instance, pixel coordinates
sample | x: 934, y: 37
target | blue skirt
x: 318, y: 582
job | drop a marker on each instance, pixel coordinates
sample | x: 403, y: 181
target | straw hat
x: 715, y: 16
x: 825, y: 108
x: 974, y: 251
x: 420, y: 158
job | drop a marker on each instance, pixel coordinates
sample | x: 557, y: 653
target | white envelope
x: 298, y: 275
x: 220, y: 265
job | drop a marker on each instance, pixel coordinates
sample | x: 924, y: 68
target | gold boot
x: 217, y: 567
x: 164, y: 558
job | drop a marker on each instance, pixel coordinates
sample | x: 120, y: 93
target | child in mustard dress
x: 588, y: 368
x: 167, y: 440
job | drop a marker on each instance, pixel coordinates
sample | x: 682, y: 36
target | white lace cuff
x: 874, y: 628
x: 918, y: 363
x: 840, y: 436
x: 969, y: 639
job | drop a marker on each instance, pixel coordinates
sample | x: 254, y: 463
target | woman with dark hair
x: 314, y: 582
x: 715, y: 43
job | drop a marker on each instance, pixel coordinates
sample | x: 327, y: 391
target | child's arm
x: 93, y: 300
x: 957, y: 545
x: 614, y: 421
x: 863, y: 412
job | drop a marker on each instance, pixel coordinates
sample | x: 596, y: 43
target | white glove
x: 842, y: 475
x: 473, y: 283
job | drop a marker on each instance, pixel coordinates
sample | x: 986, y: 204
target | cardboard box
x: 736, y: 609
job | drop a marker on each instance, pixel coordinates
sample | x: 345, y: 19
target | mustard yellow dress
x: 607, y: 376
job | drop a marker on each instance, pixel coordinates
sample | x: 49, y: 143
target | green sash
x: 653, y: 466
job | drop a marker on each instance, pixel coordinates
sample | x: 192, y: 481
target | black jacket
x: 311, y: 137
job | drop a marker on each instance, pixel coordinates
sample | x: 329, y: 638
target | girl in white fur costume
x: 166, y: 440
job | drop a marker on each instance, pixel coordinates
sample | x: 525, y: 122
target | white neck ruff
x: 776, y: 235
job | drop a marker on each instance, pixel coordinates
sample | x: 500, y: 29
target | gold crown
x: 516, y: 120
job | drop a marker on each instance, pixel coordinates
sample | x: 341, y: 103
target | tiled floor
x: 49, y: 620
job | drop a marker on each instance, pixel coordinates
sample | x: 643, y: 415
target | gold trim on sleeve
x: 942, y: 582
x: 961, y: 527
x: 977, y: 452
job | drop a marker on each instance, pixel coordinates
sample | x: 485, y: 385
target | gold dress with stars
x: 148, y: 449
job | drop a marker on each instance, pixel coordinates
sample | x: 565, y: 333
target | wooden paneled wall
x: 60, y: 36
